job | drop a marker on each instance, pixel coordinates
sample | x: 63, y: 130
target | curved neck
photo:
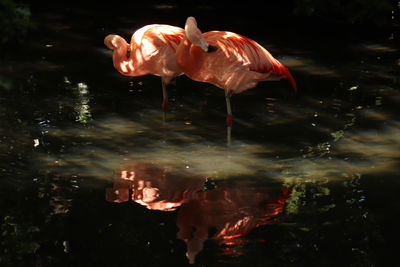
x: 122, y: 59
x: 184, y: 58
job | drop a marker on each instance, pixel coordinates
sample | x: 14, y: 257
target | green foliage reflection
x: 14, y: 21
x: 17, y: 243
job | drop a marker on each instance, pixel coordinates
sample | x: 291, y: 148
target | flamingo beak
x: 204, y: 46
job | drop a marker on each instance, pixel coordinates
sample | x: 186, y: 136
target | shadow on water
x: 307, y: 177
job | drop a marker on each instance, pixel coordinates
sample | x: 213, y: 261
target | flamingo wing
x: 154, y: 48
x: 155, y: 38
x: 248, y: 53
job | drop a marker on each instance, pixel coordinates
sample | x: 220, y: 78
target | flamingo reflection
x: 153, y: 187
x: 224, y: 213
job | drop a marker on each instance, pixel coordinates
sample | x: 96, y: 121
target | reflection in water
x: 102, y: 147
x: 153, y: 187
x: 81, y: 107
x: 222, y: 212
x: 229, y: 213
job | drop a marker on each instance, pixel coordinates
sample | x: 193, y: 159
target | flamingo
x: 227, y: 60
x: 151, y: 51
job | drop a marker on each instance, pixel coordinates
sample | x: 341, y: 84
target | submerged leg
x: 229, y: 117
x: 165, y: 100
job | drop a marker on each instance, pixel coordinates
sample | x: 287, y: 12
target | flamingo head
x: 116, y: 43
x: 194, y: 34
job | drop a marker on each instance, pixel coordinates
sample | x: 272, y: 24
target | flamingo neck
x: 187, y: 57
x: 122, y: 59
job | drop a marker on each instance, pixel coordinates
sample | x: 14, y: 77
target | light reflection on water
x: 99, y: 150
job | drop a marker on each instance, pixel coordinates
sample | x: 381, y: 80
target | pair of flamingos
x: 225, y: 59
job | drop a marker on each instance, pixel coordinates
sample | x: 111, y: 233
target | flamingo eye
x: 128, y: 53
x: 211, y: 49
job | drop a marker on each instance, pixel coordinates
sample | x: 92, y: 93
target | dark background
x: 335, y: 19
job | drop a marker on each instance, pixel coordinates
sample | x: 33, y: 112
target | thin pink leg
x: 164, y: 105
x: 229, y: 118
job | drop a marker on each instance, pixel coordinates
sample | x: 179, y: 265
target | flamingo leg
x: 165, y: 100
x: 229, y: 117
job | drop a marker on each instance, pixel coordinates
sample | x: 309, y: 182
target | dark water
x: 91, y: 176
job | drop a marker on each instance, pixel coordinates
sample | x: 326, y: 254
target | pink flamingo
x: 227, y: 60
x: 151, y: 51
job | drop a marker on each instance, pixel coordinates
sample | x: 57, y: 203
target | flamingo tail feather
x: 288, y: 75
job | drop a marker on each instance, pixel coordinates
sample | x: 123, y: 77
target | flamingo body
x: 151, y: 51
x: 236, y: 64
